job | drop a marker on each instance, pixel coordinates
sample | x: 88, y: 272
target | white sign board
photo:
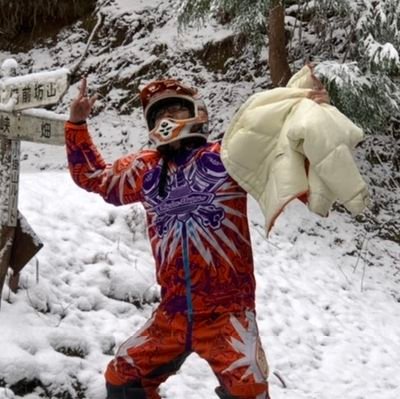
x: 39, y: 126
x: 34, y: 90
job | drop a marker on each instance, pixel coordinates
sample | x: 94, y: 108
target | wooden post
x: 6, y: 241
x: 9, y: 171
x: 25, y: 246
x: 19, y: 121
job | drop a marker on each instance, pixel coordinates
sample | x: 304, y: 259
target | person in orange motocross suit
x: 199, y: 234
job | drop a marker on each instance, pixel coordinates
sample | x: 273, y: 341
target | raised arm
x: 118, y: 183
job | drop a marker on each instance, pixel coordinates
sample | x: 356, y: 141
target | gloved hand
x: 82, y: 105
x: 318, y: 93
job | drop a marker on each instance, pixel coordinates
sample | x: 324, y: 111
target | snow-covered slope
x: 329, y: 322
x: 139, y: 42
x: 328, y: 297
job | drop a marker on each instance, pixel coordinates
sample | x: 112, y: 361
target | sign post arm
x: 36, y: 125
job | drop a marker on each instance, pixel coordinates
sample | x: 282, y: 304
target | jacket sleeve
x: 118, y: 183
x: 327, y: 137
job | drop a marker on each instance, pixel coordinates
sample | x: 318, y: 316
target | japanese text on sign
x: 37, y: 89
x: 14, y: 179
x: 39, y: 127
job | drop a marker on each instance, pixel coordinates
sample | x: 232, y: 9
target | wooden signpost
x: 20, y: 120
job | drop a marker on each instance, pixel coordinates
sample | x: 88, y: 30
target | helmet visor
x: 168, y: 106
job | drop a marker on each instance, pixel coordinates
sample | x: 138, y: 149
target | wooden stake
x: 6, y: 243
x: 7, y: 231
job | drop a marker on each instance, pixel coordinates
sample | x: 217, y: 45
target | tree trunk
x: 278, y: 62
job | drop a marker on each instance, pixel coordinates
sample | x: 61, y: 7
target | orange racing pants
x: 229, y: 342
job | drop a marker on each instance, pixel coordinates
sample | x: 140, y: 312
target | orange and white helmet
x: 161, y: 94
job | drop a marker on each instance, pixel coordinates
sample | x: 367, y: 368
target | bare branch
x: 97, y: 26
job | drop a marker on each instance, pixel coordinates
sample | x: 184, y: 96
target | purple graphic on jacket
x: 199, y: 190
x: 191, y: 191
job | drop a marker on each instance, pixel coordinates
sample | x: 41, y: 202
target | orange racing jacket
x: 198, y: 230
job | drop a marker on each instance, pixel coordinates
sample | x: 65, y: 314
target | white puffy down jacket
x: 280, y: 145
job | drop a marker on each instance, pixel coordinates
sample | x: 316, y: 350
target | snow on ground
x: 330, y: 325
